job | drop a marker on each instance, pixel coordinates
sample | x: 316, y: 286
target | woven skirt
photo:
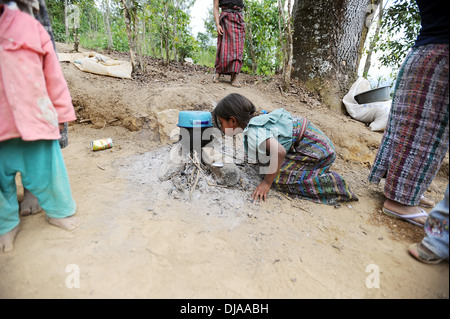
x: 230, y: 45
x: 415, y: 141
x: 305, y: 172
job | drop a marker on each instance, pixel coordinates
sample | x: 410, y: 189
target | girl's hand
x: 261, y: 191
x: 277, y: 154
x: 219, y: 30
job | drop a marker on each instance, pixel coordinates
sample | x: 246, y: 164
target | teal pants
x: 44, y: 174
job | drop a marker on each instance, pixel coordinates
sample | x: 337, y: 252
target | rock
x: 222, y: 166
x: 131, y: 123
x: 167, y: 126
x: 173, y: 164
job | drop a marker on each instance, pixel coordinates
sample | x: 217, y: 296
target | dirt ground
x: 142, y: 238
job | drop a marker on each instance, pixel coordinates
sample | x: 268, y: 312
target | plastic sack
x: 102, y: 65
x: 375, y: 113
x: 99, y: 64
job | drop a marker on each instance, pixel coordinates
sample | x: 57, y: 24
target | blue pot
x: 194, y: 119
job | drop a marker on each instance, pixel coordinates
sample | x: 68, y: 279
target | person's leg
x: 230, y: 46
x: 412, y: 214
x: 234, y: 80
x: 219, y: 61
x: 29, y: 205
x: 45, y: 175
x: 305, y: 171
x: 216, y: 77
x: 434, y: 246
x: 38, y: 9
x: 436, y: 228
x: 415, y: 141
x: 7, y: 240
x: 9, y: 217
x: 426, y: 202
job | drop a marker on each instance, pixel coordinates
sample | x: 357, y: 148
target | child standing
x: 34, y: 105
x: 299, y: 155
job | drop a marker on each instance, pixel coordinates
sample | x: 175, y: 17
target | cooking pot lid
x: 194, y: 119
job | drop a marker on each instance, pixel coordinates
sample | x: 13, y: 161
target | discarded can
x: 101, y: 144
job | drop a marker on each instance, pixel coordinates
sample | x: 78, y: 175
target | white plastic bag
x: 99, y: 64
x: 375, y: 113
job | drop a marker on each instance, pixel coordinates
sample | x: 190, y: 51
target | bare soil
x: 141, y: 238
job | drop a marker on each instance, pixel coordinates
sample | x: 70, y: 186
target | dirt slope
x: 138, y: 239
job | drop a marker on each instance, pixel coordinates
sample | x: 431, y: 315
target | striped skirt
x: 305, y: 171
x: 230, y: 45
x: 415, y: 141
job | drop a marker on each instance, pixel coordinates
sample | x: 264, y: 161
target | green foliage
x: 204, y: 41
x: 59, y: 31
x: 56, y: 13
x: 162, y: 24
x: 205, y: 57
x: 262, y: 17
x: 399, y: 29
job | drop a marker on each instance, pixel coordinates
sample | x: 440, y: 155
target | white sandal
x: 408, y: 218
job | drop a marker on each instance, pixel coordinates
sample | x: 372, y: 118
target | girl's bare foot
x: 234, y: 81
x: 425, y: 202
x: 68, y: 223
x: 216, y: 77
x: 29, y: 204
x: 7, y: 240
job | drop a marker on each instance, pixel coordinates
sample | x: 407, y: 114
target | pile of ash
x: 223, y: 169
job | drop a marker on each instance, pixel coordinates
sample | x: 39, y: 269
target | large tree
x: 328, y: 42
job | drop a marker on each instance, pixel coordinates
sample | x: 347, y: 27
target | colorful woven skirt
x: 230, y: 46
x: 305, y: 171
x: 415, y: 141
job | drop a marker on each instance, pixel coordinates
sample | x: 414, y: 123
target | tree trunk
x: 286, y: 42
x: 75, y: 39
x: 135, y: 63
x: 65, y: 20
x: 107, y: 15
x: 374, y: 41
x: 126, y: 14
x: 166, y: 32
x: 175, y: 32
x: 328, y: 42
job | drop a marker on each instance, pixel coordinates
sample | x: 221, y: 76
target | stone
x: 173, y: 164
x: 167, y: 121
x: 222, y: 166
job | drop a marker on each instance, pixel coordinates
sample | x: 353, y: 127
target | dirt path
x: 138, y: 239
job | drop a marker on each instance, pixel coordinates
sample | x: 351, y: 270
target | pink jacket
x: 34, y: 96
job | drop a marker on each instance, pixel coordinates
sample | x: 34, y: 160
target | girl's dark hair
x: 235, y: 105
